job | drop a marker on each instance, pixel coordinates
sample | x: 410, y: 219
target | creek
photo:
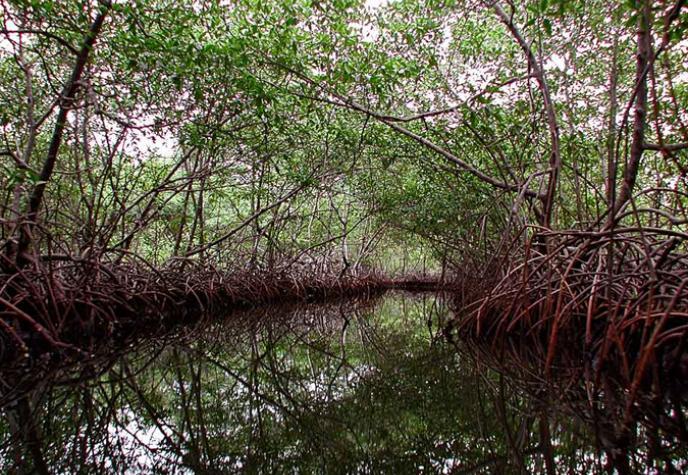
x: 350, y: 386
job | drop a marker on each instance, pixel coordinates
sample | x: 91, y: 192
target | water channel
x: 352, y: 386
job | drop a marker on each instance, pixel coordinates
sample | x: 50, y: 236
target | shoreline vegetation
x: 615, y: 302
x: 77, y: 305
x: 555, y: 299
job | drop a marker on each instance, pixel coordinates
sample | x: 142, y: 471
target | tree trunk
x: 643, y: 61
x: 66, y: 103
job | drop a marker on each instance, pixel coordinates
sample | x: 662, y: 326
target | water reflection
x: 349, y: 387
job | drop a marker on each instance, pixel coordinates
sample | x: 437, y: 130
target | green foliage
x: 215, y: 109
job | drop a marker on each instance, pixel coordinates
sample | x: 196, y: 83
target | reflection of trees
x: 347, y: 387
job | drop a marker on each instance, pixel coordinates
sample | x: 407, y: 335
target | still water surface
x: 348, y: 387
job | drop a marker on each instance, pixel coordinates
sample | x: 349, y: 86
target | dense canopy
x: 258, y: 132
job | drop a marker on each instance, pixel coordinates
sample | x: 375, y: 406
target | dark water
x: 348, y: 387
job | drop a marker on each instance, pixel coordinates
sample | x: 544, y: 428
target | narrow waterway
x: 353, y: 386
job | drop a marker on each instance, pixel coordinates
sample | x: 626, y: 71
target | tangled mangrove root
x: 619, y: 298
x: 72, y: 306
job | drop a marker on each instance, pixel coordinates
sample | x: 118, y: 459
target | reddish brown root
x: 76, y: 304
x: 618, y: 298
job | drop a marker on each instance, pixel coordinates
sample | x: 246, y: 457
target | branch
x: 47, y: 34
x: 671, y: 15
x: 645, y: 59
x: 643, y: 64
x: 17, y: 160
x: 246, y: 222
x: 66, y: 102
x: 390, y: 122
x: 538, y: 72
x: 670, y: 147
x: 447, y: 110
x: 443, y: 152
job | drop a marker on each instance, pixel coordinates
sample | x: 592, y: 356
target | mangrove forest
x: 343, y: 236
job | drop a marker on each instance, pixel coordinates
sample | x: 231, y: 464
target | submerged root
x: 618, y: 298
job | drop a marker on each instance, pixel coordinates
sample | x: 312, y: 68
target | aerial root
x: 620, y: 298
x: 76, y: 304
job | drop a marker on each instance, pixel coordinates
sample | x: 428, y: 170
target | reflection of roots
x: 651, y: 429
x: 619, y: 299
x: 75, y: 305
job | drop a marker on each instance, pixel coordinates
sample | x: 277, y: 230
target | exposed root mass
x: 619, y: 298
x: 75, y: 305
